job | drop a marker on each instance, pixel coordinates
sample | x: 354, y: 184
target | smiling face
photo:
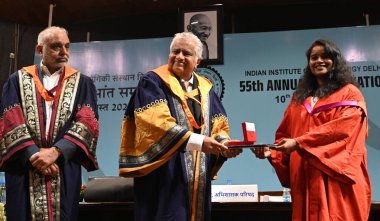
x: 182, y: 58
x: 200, y: 25
x: 320, y: 63
x: 54, y: 51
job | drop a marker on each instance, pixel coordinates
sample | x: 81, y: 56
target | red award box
x: 249, y: 132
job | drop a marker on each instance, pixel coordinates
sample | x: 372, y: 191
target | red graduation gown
x: 328, y: 176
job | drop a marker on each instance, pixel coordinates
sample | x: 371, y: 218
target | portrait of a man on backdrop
x: 203, y: 25
x: 200, y: 25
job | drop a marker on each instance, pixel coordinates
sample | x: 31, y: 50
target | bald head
x: 200, y: 25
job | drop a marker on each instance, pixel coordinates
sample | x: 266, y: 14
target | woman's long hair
x: 339, y: 76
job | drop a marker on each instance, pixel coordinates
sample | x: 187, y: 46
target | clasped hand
x: 45, y: 161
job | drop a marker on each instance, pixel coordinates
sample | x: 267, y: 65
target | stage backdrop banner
x: 256, y: 82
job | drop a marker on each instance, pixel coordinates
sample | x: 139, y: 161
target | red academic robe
x: 328, y: 175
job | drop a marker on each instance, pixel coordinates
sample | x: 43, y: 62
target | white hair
x: 189, y: 37
x: 48, y: 32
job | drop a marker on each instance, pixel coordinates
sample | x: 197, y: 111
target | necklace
x: 314, y: 99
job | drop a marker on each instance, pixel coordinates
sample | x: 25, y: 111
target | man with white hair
x: 172, y: 138
x: 49, y: 129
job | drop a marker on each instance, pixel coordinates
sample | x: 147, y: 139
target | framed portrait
x: 207, y: 24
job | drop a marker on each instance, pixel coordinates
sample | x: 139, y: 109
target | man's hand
x: 212, y: 146
x: 231, y: 153
x: 45, y: 158
x: 52, y: 170
x: 261, y: 152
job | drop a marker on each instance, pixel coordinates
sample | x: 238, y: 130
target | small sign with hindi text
x: 234, y: 193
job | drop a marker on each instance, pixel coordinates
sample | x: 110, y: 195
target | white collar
x: 191, y: 81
